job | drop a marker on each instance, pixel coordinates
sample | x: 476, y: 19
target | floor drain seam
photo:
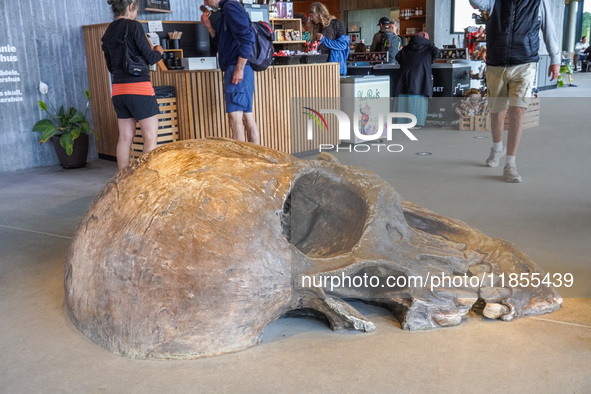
x: 36, y: 232
x: 561, y: 322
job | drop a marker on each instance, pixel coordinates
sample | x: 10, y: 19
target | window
x: 461, y: 15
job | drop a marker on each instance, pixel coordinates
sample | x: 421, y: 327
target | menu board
x: 158, y: 6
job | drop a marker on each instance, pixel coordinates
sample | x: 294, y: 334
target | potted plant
x: 568, y: 70
x: 68, y: 130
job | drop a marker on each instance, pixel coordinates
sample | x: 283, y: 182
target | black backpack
x: 386, y: 41
x: 390, y: 43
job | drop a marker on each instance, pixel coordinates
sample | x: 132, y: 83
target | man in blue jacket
x: 235, y: 41
x: 512, y: 41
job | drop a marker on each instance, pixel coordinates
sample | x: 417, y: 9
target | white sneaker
x: 495, y: 156
x: 511, y: 175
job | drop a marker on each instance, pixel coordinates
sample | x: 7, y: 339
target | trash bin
x: 168, y: 128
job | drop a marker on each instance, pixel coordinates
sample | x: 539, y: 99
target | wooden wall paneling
x: 178, y: 81
x: 297, y: 127
x: 351, y: 5
x: 189, y: 123
x: 188, y: 106
x: 216, y: 106
x: 298, y: 82
x: 196, y: 119
x: 258, y: 107
x: 220, y: 107
x: 99, y: 84
x: 293, y: 92
x: 299, y: 91
x: 173, y: 81
x: 302, y: 7
x: 203, y: 105
x: 267, y: 108
x: 279, y: 119
x: 286, y: 79
x: 271, y: 109
x: 210, y: 114
x: 268, y: 111
x: 282, y: 131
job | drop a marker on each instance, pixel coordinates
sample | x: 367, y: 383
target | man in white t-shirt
x: 580, y: 52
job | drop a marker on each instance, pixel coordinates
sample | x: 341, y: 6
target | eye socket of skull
x: 322, y: 216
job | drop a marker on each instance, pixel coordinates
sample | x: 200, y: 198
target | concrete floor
x: 548, y: 217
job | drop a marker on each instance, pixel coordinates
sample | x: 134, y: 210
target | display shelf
x: 177, y: 52
x: 368, y: 57
x: 282, y: 25
x: 413, y: 17
x: 355, y: 36
x: 413, y: 22
x: 451, y: 54
x: 289, y: 42
x: 282, y: 20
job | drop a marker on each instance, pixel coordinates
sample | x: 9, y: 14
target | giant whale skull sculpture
x: 195, y: 248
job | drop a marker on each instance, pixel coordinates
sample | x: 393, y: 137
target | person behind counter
x: 132, y: 95
x: 415, y: 83
x: 331, y: 33
x: 387, y: 40
x: 234, y: 41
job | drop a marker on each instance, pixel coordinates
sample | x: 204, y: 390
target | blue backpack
x: 261, y: 56
x: 262, y: 50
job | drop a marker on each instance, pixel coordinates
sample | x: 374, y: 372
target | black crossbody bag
x: 135, y: 65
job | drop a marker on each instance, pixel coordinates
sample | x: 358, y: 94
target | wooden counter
x: 201, y: 111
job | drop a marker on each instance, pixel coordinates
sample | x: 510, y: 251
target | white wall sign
x: 154, y: 26
x: 9, y: 75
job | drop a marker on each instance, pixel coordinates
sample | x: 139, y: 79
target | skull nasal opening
x: 322, y: 216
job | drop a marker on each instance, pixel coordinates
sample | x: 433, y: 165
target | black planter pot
x: 79, y: 155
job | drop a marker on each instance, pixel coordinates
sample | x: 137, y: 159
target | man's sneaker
x: 495, y: 156
x: 511, y: 174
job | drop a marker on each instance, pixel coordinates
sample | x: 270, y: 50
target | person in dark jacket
x: 512, y: 43
x: 235, y: 40
x: 332, y: 35
x: 415, y: 82
x: 132, y: 95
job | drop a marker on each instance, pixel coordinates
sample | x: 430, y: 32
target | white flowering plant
x: 69, y: 123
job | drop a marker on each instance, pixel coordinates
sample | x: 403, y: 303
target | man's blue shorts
x: 239, y: 97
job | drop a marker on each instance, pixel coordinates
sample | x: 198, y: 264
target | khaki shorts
x: 510, y: 85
